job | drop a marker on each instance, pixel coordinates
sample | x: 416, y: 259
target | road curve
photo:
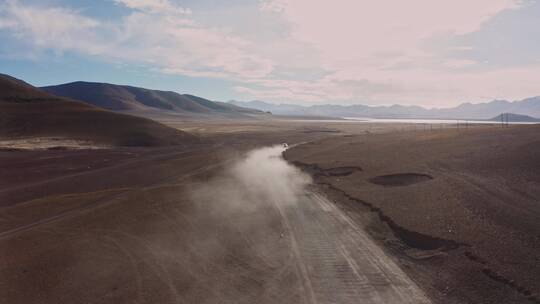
x: 338, y: 262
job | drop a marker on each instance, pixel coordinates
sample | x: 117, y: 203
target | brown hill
x: 26, y: 111
x: 128, y: 98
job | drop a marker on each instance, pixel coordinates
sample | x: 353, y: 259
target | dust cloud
x: 261, y: 176
x: 236, y: 237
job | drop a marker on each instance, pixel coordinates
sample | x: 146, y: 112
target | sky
x: 431, y: 53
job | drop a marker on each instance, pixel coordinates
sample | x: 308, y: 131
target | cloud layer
x: 155, y: 32
x: 376, y: 52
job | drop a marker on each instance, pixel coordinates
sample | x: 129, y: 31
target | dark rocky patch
x: 315, y: 170
x: 400, y: 179
x: 58, y: 148
x: 322, y: 131
x: 341, y: 171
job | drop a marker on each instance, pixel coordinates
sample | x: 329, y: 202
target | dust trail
x: 238, y: 236
x: 261, y: 176
x: 262, y: 235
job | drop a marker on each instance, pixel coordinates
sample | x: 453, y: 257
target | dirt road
x: 338, y: 262
x: 251, y: 232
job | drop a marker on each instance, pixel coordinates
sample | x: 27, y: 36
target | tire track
x: 341, y: 263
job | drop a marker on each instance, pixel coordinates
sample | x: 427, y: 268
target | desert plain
x: 351, y: 212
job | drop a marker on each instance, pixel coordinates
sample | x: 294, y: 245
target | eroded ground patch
x: 400, y: 179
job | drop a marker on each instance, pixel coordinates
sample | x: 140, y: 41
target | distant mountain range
x: 147, y: 102
x: 128, y: 98
x: 529, y: 107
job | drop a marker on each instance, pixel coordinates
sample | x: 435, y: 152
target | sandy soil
x: 51, y: 143
x: 120, y: 225
x: 460, y: 209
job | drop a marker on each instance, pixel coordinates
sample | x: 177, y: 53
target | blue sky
x: 421, y: 52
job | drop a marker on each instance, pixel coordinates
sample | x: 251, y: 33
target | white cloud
x: 376, y: 49
x: 354, y: 51
x: 155, y: 6
x: 156, y: 33
x: 458, y: 63
x: 180, y: 46
x: 364, y: 32
x: 57, y: 28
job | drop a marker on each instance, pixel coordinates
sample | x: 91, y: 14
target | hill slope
x: 26, y: 111
x: 128, y: 98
